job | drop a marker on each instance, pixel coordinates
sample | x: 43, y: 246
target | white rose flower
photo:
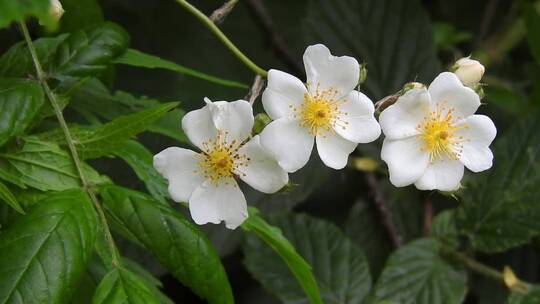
x: 207, y: 180
x: 327, y: 110
x: 431, y: 134
x: 469, y: 71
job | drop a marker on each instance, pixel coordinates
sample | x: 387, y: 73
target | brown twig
x: 219, y: 15
x: 279, y: 45
x: 386, y: 217
x: 255, y: 89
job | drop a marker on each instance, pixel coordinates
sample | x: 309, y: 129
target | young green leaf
x: 339, y: 267
x: 406, y: 53
x: 19, y: 10
x: 44, y: 166
x: 20, y: 101
x: 45, y: 252
x: 122, y: 286
x: 415, y: 273
x: 140, y: 160
x: 176, y: 243
x: 501, y: 208
x: 105, y: 139
x: 139, y: 59
x: 9, y: 198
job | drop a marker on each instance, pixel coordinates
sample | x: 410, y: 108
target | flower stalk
x: 70, y: 143
x: 222, y: 37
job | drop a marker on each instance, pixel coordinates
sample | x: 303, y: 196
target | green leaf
x: 415, y: 273
x: 402, y: 50
x: 122, y: 286
x: 102, y: 140
x: 9, y: 198
x: 88, y: 52
x: 446, y: 36
x: 20, y: 101
x: 140, y: 160
x: 501, y: 207
x: 531, y: 297
x: 139, y: 59
x: 532, y: 23
x: 17, y: 60
x: 44, y: 166
x: 20, y: 10
x: 45, y: 252
x: 173, y: 240
x: 339, y: 267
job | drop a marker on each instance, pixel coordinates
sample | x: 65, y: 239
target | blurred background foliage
x: 401, y: 41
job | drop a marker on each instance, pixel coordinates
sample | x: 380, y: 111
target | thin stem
x: 484, y: 269
x: 67, y: 134
x: 221, y: 36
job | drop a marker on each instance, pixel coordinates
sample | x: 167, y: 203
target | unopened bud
x: 365, y: 164
x: 469, y: 71
x: 261, y: 120
x: 56, y: 10
x: 413, y: 85
x: 363, y: 74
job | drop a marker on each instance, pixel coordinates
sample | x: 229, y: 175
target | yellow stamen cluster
x: 220, y: 159
x: 320, y: 113
x: 439, y: 132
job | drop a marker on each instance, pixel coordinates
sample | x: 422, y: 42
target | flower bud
x: 363, y: 74
x: 261, y: 120
x: 413, y: 85
x: 469, y: 71
x: 56, y: 10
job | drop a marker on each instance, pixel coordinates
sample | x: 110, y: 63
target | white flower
x: 207, y: 180
x: 432, y: 134
x: 56, y: 10
x: 327, y: 110
x: 469, y: 71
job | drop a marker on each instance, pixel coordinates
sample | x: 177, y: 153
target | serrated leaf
x: 122, y: 286
x: 140, y: 160
x: 103, y: 139
x: 9, y: 198
x: 44, y: 166
x: 339, y: 266
x: 173, y: 240
x: 415, y: 273
x: 45, y: 252
x: 88, y: 52
x: 20, y: 101
x: 11, y: 11
x: 139, y: 59
x: 401, y: 51
x: 501, y: 207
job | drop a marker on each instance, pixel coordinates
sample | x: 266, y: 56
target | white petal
x: 478, y: 136
x: 330, y: 72
x: 400, y: 119
x: 282, y: 91
x: 334, y: 150
x: 447, y: 89
x: 199, y: 126
x: 214, y: 202
x: 289, y: 143
x: 406, y: 162
x: 235, y: 117
x: 262, y: 171
x: 444, y: 174
x: 357, y: 123
x: 180, y: 167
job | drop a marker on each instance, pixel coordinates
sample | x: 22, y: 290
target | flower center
x: 320, y: 113
x: 221, y: 159
x: 439, y: 132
